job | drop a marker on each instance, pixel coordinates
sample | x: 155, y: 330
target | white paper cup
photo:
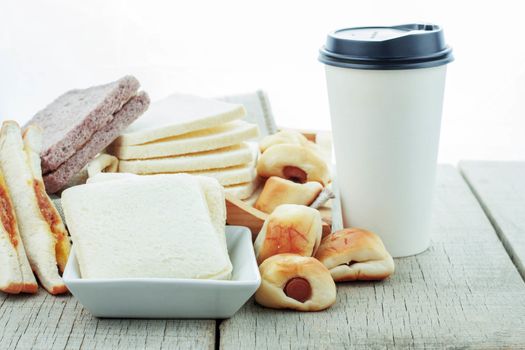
x: 386, y: 124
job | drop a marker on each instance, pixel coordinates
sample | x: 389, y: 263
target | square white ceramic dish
x: 171, y: 298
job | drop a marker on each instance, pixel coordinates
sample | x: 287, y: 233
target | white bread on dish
x: 43, y: 233
x: 279, y: 191
x: 15, y: 272
x: 289, y: 228
x: 221, y: 158
x: 179, y: 114
x: 221, y: 136
x: 290, y: 281
x: 355, y: 254
x: 165, y: 226
x: 294, y: 162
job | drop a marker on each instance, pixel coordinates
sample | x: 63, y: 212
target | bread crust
x: 276, y: 159
x: 355, y: 254
x: 279, y: 269
x: 15, y: 272
x: 279, y: 191
x: 20, y: 162
x: 289, y: 229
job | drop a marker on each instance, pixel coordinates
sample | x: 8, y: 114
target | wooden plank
x: 462, y: 292
x: 43, y: 321
x: 500, y: 188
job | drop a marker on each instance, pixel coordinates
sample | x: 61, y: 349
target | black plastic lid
x: 406, y: 46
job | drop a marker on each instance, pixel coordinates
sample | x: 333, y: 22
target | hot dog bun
x: 355, y: 254
x: 289, y: 228
x: 289, y: 137
x: 290, y: 281
x: 279, y: 191
x: 293, y: 162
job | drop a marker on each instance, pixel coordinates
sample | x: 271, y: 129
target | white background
x: 216, y: 48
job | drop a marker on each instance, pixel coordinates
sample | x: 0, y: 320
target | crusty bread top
x: 179, y: 114
x: 70, y: 120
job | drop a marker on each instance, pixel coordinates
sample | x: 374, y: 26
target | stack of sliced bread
x: 189, y: 134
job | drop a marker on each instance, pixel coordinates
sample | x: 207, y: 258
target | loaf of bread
x: 290, y: 281
x: 279, y: 191
x: 355, y: 254
x: 289, y: 228
x: 293, y: 162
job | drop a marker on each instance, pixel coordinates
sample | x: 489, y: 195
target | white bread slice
x: 230, y: 176
x: 179, y: 114
x: 220, y: 158
x: 243, y: 190
x: 40, y: 225
x: 161, y: 226
x: 221, y: 136
x: 15, y: 273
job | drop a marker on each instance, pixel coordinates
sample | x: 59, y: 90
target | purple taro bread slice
x: 70, y: 121
x: 58, y: 179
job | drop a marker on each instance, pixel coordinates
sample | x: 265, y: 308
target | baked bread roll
x: 293, y: 162
x: 279, y: 191
x: 290, y: 137
x: 355, y: 254
x: 290, y: 281
x: 289, y: 229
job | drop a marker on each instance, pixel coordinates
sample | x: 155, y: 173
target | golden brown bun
x: 355, y: 254
x: 285, y: 137
x: 289, y: 229
x: 293, y: 162
x: 279, y: 191
x: 279, y: 270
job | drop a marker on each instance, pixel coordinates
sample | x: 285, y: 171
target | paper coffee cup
x: 385, y: 89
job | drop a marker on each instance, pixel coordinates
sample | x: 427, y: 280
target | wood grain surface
x: 500, y: 188
x: 43, y: 321
x: 463, y: 292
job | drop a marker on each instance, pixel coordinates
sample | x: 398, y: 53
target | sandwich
x: 81, y: 123
x: 41, y: 229
x: 158, y: 226
x: 179, y: 114
x: 212, y: 138
x: 15, y: 273
x: 221, y: 158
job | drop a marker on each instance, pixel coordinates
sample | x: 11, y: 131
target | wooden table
x: 463, y: 292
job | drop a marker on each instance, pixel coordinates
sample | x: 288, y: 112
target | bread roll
x: 289, y: 229
x: 293, y: 162
x: 290, y: 137
x: 355, y: 254
x: 290, y: 281
x: 279, y: 191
